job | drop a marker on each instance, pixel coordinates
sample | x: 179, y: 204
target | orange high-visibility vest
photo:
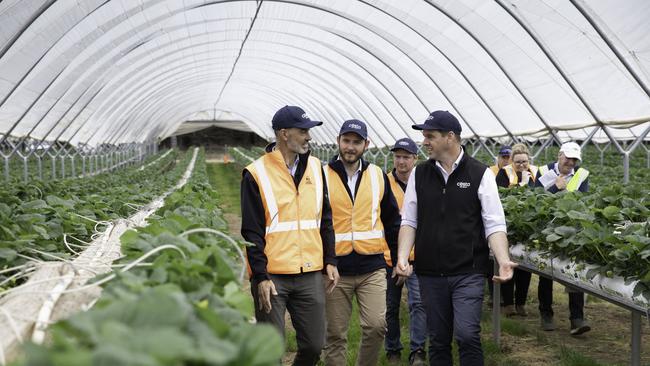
x: 357, y: 226
x: 292, y: 216
x: 399, y: 196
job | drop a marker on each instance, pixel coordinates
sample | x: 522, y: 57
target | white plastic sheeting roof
x: 100, y: 71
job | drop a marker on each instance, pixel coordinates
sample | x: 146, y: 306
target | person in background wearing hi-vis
x: 287, y: 216
x: 366, y: 220
x: 503, y: 159
x: 452, y: 213
x: 559, y: 176
x: 521, y: 173
x: 405, y: 155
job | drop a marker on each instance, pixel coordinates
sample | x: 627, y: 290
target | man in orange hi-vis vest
x: 366, y: 219
x: 405, y: 155
x: 503, y: 159
x: 287, y: 216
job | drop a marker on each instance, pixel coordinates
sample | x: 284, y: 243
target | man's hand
x: 506, y: 271
x: 399, y: 274
x: 403, y: 268
x: 560, y: 182
x: 332, y: 278
x: 265, y: 289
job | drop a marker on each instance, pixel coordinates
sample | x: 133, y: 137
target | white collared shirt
x: 352, y: 180
x: 494, y: 219
x: 293, y: 168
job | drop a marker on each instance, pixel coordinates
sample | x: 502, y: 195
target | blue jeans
x: 453, y: 308
x: 417, y: 315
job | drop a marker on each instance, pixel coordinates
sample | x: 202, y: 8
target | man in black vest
x: 451, y: 212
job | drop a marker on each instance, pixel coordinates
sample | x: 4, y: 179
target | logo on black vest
x: 463, y: 184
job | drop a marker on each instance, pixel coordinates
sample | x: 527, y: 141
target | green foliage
x: 609, y: 227
x: 180, y: 309
x: 36, y: 216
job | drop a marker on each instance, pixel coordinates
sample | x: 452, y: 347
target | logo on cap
x: 304, y: 115
x: 430, y: 118
x: 355, y: 126
x: 403, y: 143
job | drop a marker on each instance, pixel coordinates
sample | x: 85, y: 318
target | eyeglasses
x: 521, y: 162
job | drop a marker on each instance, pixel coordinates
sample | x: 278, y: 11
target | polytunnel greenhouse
x: 132, y: 131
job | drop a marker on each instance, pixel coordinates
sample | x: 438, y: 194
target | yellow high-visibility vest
x: 357, y: 226
x: 512, y: 174
x: 292, y: 216
x: 580, y: 176
x: 495, y: 169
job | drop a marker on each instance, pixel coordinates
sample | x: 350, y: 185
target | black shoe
x: 418, y: 358
x: 579, y: 326
x: 393, y: 358
x: 547, y: 322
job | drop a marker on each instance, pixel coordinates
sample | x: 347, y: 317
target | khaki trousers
x: 370, y: 291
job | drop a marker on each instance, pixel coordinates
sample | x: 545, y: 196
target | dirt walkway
x: 608, y: 342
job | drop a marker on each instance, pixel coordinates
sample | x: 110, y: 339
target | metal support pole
x: 25, y: 170
x: 63, y: 167
x: 496, y: 307
x: 626, y: 167
x: 39, y: 161
x: 6, y: 168
x: 53, y: 167
x: 636, y: 339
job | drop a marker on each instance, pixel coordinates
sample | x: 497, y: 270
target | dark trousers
x: 545, y: 297
x: 453, y: 307
x: 417, y: 316
x: 518, y: 287
x: 303, y: 296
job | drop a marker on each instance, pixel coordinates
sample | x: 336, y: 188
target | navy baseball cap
x: 441, y: 121
x: 356, y: 126
x: 506, y: 150
x: 407, y: 145
x: 291, y: 116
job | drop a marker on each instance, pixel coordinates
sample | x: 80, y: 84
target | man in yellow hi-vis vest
x: 503, y: 159
x: 557, y: 177
x: 366, y: 219
x: 405, y: 155
x: 287, y: 216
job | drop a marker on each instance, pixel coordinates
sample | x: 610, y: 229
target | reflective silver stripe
x: 374, y: 182
x: 359, y: 235
x: 316, y: 171
x: 271, y: 204
x: 292, y: 226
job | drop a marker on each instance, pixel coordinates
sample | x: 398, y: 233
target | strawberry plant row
x: 185, y: 306
x: 609, y: 228
x: 37, y: 219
